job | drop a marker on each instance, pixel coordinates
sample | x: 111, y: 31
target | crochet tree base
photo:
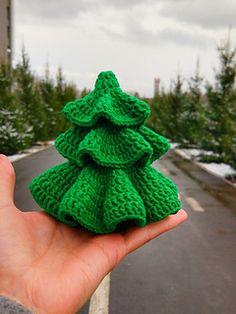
x: 99, y: 199
x: 108, y: 178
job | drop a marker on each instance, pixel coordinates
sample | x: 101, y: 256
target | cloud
x: 209, y: 14
x: 55, y: 10
x: 145, y: 22
x: 136, y: 33
x: 70, y: 9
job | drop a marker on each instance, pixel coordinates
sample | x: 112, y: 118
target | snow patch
x: 174, y: 145
x: 34, y: 149
x: 223, y: 170
x: 15, y: 157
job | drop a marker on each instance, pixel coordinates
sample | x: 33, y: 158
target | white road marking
x: 99, y: 303
x: 194, y: 204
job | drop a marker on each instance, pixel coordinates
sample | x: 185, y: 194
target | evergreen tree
x: 175, y: 102
x: 166, y: 110
x: 29, y: 97
x: 192, y: 113
x: 160, y: 112
x: 48, y: 96
x: 30, y: 108
x: 152, y: 121
x: 15, y: 133
x: 64, y: 92
x: 222, y: 107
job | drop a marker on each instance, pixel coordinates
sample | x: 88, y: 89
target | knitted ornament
x: 108, y: 178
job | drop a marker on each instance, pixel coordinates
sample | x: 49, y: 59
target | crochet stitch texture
x: 108, y: 178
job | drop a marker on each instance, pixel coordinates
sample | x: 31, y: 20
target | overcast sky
x: 136, y: 39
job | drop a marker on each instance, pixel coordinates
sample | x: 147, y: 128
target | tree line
x: 31, y: 107
x: 203, y: 115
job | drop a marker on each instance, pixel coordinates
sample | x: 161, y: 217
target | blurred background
x: 180, y: 57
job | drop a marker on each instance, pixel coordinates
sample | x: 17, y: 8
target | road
x: 190, y: 270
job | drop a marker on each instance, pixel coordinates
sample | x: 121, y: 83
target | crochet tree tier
x: 108, y: 178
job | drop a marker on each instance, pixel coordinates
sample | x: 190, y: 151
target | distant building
x: 156, y: 86
x: 6, y: 31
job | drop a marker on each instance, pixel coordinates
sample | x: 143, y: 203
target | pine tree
x: 160, y: 113
x: 29, y: 97
x: 108, y: 178
x: 222, y: 107
x: 15, y: 132
x: 48, y: 96
x: 192, y: 113
x: 152, y: 121
x: 64, y: 92
x: 166, y: 110
x: 175, y: 102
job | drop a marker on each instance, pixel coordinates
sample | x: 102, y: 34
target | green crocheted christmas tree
x: 108, y: 178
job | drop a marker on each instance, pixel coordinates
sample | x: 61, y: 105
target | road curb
x: 24, y: 155
x: 203, y: 168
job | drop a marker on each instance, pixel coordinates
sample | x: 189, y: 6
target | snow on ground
x: 191, y: 153
x: 15, y: 157
x: 34, y: 149
x: 174, y: 145
x: 223, y: 170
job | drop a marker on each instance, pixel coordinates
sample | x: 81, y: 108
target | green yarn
x: 108, y: 178
x: 109, y: 101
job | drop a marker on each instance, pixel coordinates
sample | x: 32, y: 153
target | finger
x: 137, y: 236
x: 7, y: 181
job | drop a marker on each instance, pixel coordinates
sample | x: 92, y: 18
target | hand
x: 52, y: 268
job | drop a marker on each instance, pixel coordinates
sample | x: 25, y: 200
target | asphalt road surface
x: 190, y: 270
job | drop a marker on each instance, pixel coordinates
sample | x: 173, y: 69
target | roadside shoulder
x: 39, y: 146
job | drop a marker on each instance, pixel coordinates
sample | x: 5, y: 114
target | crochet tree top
x: 108, y: 178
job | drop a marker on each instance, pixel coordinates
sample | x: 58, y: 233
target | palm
x: 49, y: 266
x: 55, y: 262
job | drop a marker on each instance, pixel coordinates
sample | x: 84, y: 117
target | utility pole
x: 6, y: 31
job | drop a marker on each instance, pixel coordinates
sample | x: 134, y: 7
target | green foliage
x: 177, y: 101
x: 167, y: 109
x: 201, y: 120
x: 15, y: 132
x: 221, y: 107
x: 48, y: 97
x: 192, y: 114
x: 31, y: 107
x: 15, y: 135
x: 28, y: 95
x: 64, y: 93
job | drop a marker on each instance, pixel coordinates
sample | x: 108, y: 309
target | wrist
x: 18, y: 299
x: 8, y: 305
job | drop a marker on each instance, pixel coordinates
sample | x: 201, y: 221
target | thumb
x: 7, y: 181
